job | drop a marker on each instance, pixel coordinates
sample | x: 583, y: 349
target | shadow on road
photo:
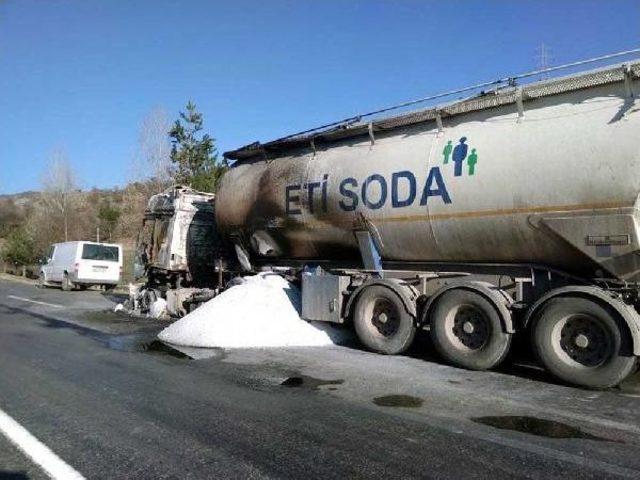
x: 6, y: 475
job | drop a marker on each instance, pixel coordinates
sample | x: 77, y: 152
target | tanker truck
x: 512, y: 213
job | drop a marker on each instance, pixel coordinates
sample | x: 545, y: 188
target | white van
x: 82, y: 264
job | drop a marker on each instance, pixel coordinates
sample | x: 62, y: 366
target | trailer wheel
x: 467, y: 331
x: 382, y: 322
x: 67, y: 285
x: 581, y: 342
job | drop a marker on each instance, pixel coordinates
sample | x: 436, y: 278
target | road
x: 95, y: 389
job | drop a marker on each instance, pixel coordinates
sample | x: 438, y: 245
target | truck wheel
x: 67, y: 285
x: 382, y: 322
x: 467, y: 331
x: 581, y: 342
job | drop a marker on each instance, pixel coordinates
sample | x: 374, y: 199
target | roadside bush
x: 19, y: 248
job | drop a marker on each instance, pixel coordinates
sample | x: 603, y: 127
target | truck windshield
x: 99, y: 252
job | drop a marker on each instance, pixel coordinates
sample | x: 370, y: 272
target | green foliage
x: 19, y: 248
x: 108, y: 216
x: 196, y: 159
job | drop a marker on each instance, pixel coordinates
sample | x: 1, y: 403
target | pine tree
x: 196, y: 159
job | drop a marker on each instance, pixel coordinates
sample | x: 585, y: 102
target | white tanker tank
x: 556, y: 185
x: 543, y: 177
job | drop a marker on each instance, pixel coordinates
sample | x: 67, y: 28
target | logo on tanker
x: 402, y: 189
x: 459, y: 156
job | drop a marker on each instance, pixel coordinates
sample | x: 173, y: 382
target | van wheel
x: 580, y: 342
x: 109, y: 287
x: 381, y: 321
x: 466, y: 330
x: 67, y: 285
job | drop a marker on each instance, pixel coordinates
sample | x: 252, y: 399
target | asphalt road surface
x: 95, y: 389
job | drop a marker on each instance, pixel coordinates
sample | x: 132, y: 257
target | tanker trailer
x: 512, y: 212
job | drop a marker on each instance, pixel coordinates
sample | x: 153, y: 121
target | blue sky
x: 81, y: 75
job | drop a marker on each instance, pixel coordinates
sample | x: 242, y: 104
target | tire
x: 581, y: 342
x: 467, y: 331
x: 67, y: 285
x: 381, y: 321
x: 109, y: 287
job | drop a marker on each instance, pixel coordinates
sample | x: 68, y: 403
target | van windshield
x: 99, y: 252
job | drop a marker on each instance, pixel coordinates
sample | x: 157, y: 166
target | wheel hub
x: 581, y: 341
x: 385, y: 318
x: 470, y: 327
x: 585, y: 340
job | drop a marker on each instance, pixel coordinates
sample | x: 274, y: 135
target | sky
x: 80, y: 76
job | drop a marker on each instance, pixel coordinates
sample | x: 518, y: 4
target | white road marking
x: 37, y: 451
x: 35, y: 301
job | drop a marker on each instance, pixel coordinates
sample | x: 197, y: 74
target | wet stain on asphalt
x: 144, y: 344
x: 405, y: 401
x: 304, y: 381
x: 105, y: 316
x: 157, y: 346
x: 539, y: 427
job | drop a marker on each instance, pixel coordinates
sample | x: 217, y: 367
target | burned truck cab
x: 179, y: 245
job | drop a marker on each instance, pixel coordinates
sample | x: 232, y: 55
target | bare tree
x: 154, y: 149
x: 58, y: 184
x: 152, y: 170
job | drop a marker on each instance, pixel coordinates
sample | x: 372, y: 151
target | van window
x: 99, y: 252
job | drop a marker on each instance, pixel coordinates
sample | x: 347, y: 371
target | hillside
x: 34, y: 220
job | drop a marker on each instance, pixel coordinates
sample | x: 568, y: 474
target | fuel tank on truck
x: 547, y: 173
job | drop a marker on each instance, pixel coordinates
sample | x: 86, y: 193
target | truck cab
x: 178, y: 244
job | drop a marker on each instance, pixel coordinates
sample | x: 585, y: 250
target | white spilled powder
x: 261, y: 311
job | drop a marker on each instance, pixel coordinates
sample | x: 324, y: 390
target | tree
x: 153, y: 158
x: 19, y: 248
x: 195, y: 159
x: 58, y: 184
x: 108, y: 217
x: 11, y: 216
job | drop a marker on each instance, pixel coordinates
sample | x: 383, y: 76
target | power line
x: 507, y: 80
